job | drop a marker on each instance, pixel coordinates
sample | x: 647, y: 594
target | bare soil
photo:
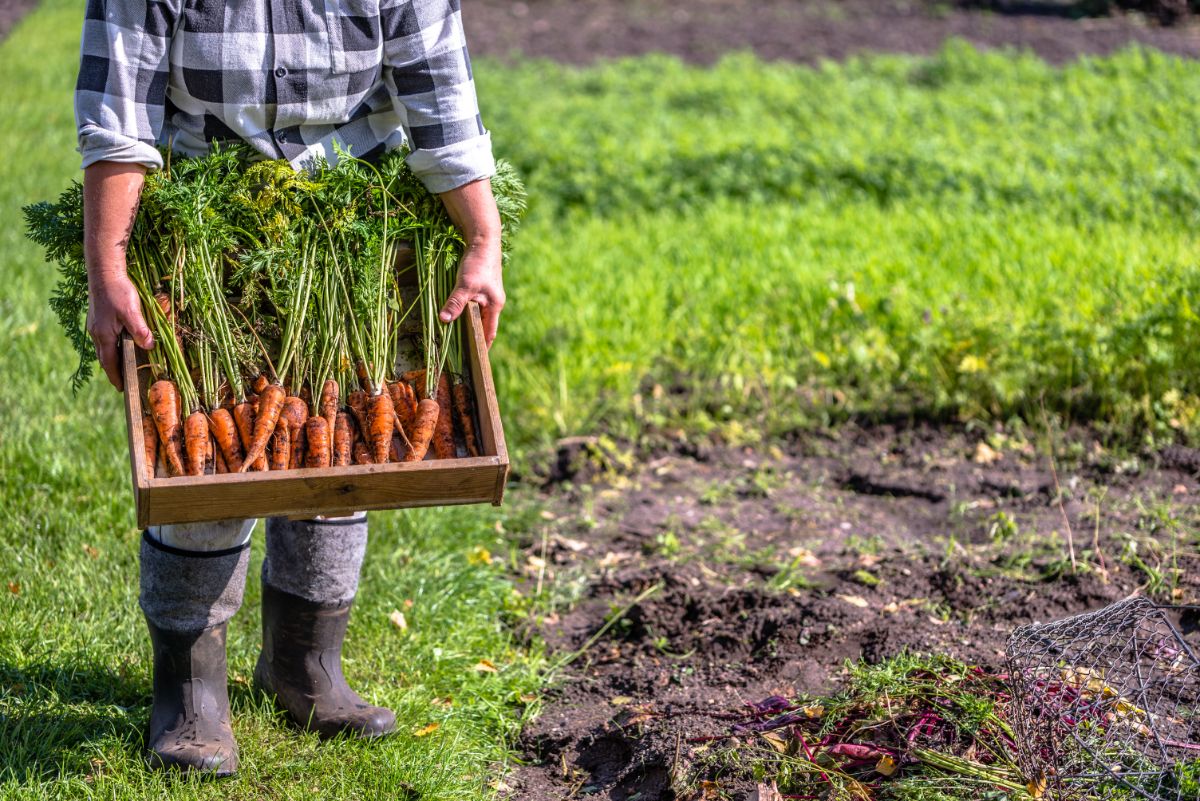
x: 583, y: 31
x: 774, y: 566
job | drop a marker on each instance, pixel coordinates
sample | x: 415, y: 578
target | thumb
x: 455, y: 304
x: 135, y: 324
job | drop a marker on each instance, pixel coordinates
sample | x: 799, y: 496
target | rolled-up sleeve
x: 427, y: 71
x: 123, y: 70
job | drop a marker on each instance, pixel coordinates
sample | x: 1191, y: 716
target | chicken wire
x: 1107, y: 706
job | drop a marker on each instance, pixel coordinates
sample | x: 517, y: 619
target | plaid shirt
x: 289, y: 77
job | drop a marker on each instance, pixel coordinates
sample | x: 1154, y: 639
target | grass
x: 734, y: 250
x: 962, y: 236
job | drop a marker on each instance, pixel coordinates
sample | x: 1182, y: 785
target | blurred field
x: 736, y: 250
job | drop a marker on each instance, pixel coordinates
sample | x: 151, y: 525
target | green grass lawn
x: 766, y: 244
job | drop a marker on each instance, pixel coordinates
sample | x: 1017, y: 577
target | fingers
x: 135, y: 324
x: 455, y: 303
x: 491, y: 321
x: 106, y: 351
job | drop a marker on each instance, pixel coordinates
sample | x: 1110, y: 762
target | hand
x: 113, y: 307
x: 480, y: 279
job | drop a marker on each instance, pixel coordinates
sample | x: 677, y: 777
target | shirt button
x: 282, y: 137
x: 279, y: 73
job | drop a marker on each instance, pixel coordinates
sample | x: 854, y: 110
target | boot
x: 189, y: 721
x: 301, y: 666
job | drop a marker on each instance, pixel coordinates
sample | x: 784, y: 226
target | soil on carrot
x: 582, y: 31
x: 768, y: 568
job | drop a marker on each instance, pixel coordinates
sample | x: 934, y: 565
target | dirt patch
x: 11, y: 12
x: 583, y: 31
x: 769, y: 568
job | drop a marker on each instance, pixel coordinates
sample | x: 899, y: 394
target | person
x: 291, y: 78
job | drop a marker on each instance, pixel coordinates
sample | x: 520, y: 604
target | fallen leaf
x: 1179, y: 489
x: 1036, y: 787
x: 570, y: 544
x: 855, y: 600
x: 408, y: 603
x: 776, y: 741
x: 398, y: 620
x: 548, y: 515
x: 986, y: 454
x: 537, y: 563
x: 803, y: 557
x: 484, y: 666
x: 869, y: 559
x: 447, y: 701
x: 814, y: 711
x: 527, y: 698
x: 14, y: 587
x: 479, y: 556
x: 428, y: 728
x: 709, y: 791
x: 620, y: 700
x: 886, y: 765
x: 91, y: 551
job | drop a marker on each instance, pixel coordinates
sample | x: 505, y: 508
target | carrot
x: 466, y: 421
x: 381, y: 420
x: 364, y: 379
x: 260, y: 383
x: 357, y: 401
x: 164, y: 302
x: 362, y: 453
x: 281, y: 450
x: 404, y: 403
x: 150, y: 438
x: 305, y: 394
x: 163, y: 399
x: 316, y: 432
x: 415, y: 376
x: 270, y: 405
x: 195, y: 440
x: 295, y: 411
x: 243, y: 417
x: 329, y: 404
x: 343, y: 438
x: 422, y: 433
x: 443, y: 432
x: 224, y: 431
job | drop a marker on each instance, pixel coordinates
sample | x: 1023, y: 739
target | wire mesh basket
x: 1107, y: 706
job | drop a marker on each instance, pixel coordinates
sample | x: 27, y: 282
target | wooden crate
x: 322, y: 491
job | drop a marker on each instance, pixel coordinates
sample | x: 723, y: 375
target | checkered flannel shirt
x: 289, y: 77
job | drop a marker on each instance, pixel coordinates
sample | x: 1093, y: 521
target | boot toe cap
x: 219, y: 763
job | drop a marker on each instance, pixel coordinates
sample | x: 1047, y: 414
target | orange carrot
x: 443, y: 432
x: 316, y: 432
x: 270, y: 405
x: 381, y: 420
x: 362, y: 453
x: 404, y: 404
x: 466, y: 421
x: 329, y: 404
x: 150, y: 438
x: 195, y: 440
x: 415, y: 376
x: 224, y: 431
x: 357, y: 401
x: 343, y: 439
x: 295, y: 411
x: 164, y: 302
x: 422, y: 432
x: 163, y: 399
x: 243, y: 416
x: 281, y: 450
x: 364, y: 380
x: 260, y: 383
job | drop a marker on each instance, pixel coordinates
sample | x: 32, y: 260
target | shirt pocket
x: 355, y: 40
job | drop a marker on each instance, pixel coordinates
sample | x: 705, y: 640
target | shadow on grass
x: 53, y: 717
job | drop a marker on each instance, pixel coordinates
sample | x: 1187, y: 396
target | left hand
x: 480, y: 279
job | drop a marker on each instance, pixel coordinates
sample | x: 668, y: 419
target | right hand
x: 114, y: 307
